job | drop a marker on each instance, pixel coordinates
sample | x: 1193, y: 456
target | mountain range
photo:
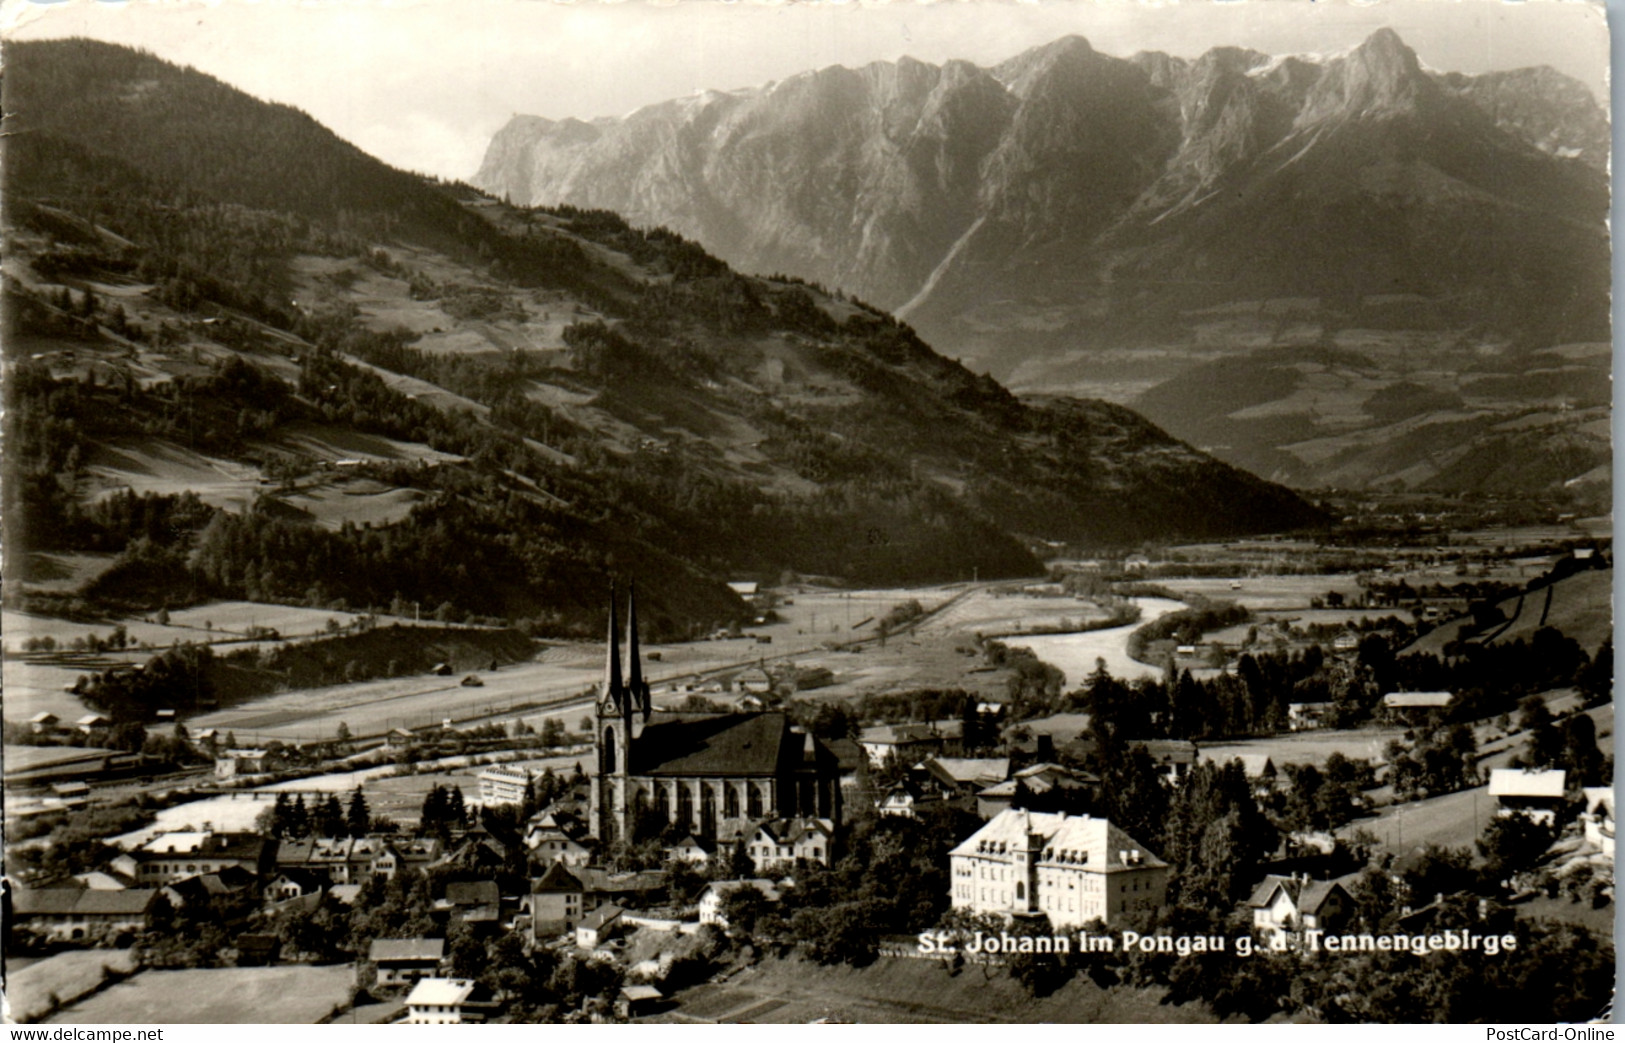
x: 251, y: 361
x: 1076, y: 222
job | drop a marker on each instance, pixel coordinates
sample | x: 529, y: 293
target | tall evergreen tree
x: 358, y: 818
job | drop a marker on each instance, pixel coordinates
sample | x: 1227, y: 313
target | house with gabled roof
x: 449, y: 1001
x: 477, y: 903
x: 400, y: 960
x: 598, y: 926
x: 1532, y: 792
x: 964, y: 776
x: 558, y: 901
x: 717, y: 892
x: 783, y: 841
x: 1286, y: 905
x: 70, y: 914
x: 555, y: 837
x: 692, y: 849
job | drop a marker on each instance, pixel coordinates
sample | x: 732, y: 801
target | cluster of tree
x: 1569, y: 744
x: 1187, y: 625
x: 1312, y: 800
x: 176, y: 679
x: 1488, y: 679
x: 290, y: 819
x: 1442, y: 760
x: 443, y: 810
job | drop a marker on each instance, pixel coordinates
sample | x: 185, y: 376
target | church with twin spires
x: 715, y: 775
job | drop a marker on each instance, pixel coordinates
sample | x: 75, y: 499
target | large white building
x: 1072, y: 868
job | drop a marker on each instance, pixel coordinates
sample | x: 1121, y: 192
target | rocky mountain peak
x: 1381, y: 77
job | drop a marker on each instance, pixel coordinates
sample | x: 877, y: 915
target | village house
x: 170, y: 856
x: 1044, y: 785
x: 557, y: 902
x: 71, y: 914
x: 718, y: 891
x: 963, y: 776
x: 205, y: 887
x: 1286, y: 905
x: 92, y: 722
x: 232, y: 763
x: 1598, y: 818
x: 1072, y: 868
x: 1172, y: 757
x: 696, y: 851
x: 552, y: 837
x: 909, y: 742
x: 400, y: 960
x: 636, y: 1001
x: 43, y: 723
x: 906, y: 799
x: 598, y: 926
x: 294, y: 882
x: 448, y: 1001
x: 782, y: 841
x: 1534, y: 793
x: 1303, y: 717
x: 475, y: 903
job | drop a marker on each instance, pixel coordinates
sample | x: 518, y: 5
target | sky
x: 423, y: 84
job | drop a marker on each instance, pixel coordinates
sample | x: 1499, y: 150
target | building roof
x: 1307, y: 896
x: 718, y: 744
x: 44, y: 717
x: 602, y: 881
x: 1412, y: 700
x: 1599, y: 798
x: 903, y: 734
x: 849, y: 756
x: 440, y: 992
x: 557, y: 879
x: 82, y: 901
x: 604, y: 914
x: 406, y: 949
x: 640, y: 993
x: 1079, y: 840
x: 1516, y: 782
x: 792, y: 830
x: 473, y: 892
x: 969, y: 770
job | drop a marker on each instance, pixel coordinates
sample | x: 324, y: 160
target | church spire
x: 637, y: 690
x: 634, y: 670
x: 612, y: 664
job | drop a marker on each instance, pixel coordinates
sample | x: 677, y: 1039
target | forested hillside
x: 247, y: 360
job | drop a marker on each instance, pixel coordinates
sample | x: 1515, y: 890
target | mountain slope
x: 1124, y: 210
x: 433, y: 396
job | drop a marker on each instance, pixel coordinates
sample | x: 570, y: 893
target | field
x: 1264, y: 592
x: 1582, y: 608
x: 1075, y: 655
x: 1312, y: 747
x: 286, y: 995
x: 992, y: 611
x: 154, y: 465
x: 1453, y: 820
x: 911, y: 991
x: 66, y: 975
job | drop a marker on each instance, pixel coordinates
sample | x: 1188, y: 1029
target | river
x: 1075, y: 654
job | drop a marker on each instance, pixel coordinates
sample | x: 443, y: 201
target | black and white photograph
x: 844, y: 512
